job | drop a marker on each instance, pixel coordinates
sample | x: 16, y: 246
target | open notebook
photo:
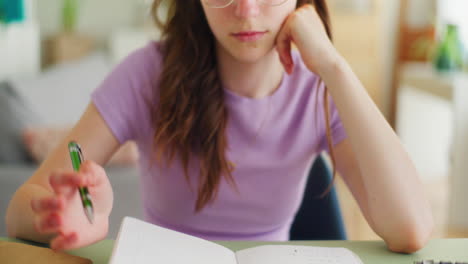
x: 142, y: 242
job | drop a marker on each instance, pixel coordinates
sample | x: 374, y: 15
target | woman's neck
x: 253, y: 80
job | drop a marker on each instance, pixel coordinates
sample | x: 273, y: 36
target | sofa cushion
x: 15, y: 115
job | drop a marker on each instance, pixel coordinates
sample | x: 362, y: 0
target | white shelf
x: 19, y: 50
x: 454, y: 88
x: 423, y: 76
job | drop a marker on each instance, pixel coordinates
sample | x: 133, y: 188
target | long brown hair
x: 190, y: 117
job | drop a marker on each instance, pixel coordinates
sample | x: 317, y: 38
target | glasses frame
x: 229, y: 2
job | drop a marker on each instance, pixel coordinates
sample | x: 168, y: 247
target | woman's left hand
x: 305, y: 29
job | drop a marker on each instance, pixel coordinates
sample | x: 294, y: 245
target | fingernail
x: 57, y: 204
x: 71, y: 238
x: 53, y: 203
x: 53, y: 220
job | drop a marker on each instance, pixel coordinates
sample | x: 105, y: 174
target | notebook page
x: 141, y: 242
x: 286, y: 254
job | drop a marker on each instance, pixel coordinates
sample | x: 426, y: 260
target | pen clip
x: 80, y: 154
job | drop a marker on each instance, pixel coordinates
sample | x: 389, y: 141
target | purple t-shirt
x: 272, y: 141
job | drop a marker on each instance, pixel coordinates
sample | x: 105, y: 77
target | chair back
x: 318, y: 218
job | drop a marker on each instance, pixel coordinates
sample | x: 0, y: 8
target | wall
x: 390, y: 13
x: 98, y: 18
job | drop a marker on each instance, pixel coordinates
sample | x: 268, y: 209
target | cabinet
x: 451, y: 87
x: 19, y: 50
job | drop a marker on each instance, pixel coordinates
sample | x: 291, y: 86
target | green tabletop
x: 373, y: 252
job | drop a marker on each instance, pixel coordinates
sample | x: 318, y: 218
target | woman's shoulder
x: 135, y: 75
x: 125, y: 96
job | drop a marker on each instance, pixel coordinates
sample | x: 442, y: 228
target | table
x: 374, y: 252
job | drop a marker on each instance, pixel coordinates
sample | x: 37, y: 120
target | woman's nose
x: 247, y: 8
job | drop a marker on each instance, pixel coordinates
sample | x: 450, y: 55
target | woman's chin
x: 249, y: 54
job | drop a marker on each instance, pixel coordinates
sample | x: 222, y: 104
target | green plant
x: 449, y: 54
x: 69, y: 14
x: 2, y: 11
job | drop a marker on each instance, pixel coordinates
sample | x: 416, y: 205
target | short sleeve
x: 123, y: 98
x: 338, y: 132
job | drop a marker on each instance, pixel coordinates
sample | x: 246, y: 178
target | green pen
x: 77, y: 158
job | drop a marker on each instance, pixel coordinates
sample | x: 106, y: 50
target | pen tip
x: 89, y: 214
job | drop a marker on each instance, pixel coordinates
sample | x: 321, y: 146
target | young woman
x: 228, y: 118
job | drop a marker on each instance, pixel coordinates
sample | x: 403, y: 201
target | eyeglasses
x: 225, y: 3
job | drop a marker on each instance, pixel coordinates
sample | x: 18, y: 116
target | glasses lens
x: 273, y: 2
x: 224, y: 3
x: 217, y: 3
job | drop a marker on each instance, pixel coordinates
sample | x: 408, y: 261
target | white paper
x: 285, y: 254
x: 141, y: 242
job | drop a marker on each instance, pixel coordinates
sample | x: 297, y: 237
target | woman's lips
x: 249, y: 36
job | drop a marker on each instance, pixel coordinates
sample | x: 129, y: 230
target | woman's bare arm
x: 98, y: 144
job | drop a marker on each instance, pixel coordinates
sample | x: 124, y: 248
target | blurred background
x: 411, y: 55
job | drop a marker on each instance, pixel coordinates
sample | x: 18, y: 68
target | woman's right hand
x: 63, y: 215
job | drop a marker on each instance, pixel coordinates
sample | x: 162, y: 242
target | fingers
x: 48, y: 223
x: 47, y: 210
x: 286, y: 58
x: 283, y: 46
x: 65, y: 183
x: 92, y: 171
x: 64, y: 241
x: 49, y: 204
